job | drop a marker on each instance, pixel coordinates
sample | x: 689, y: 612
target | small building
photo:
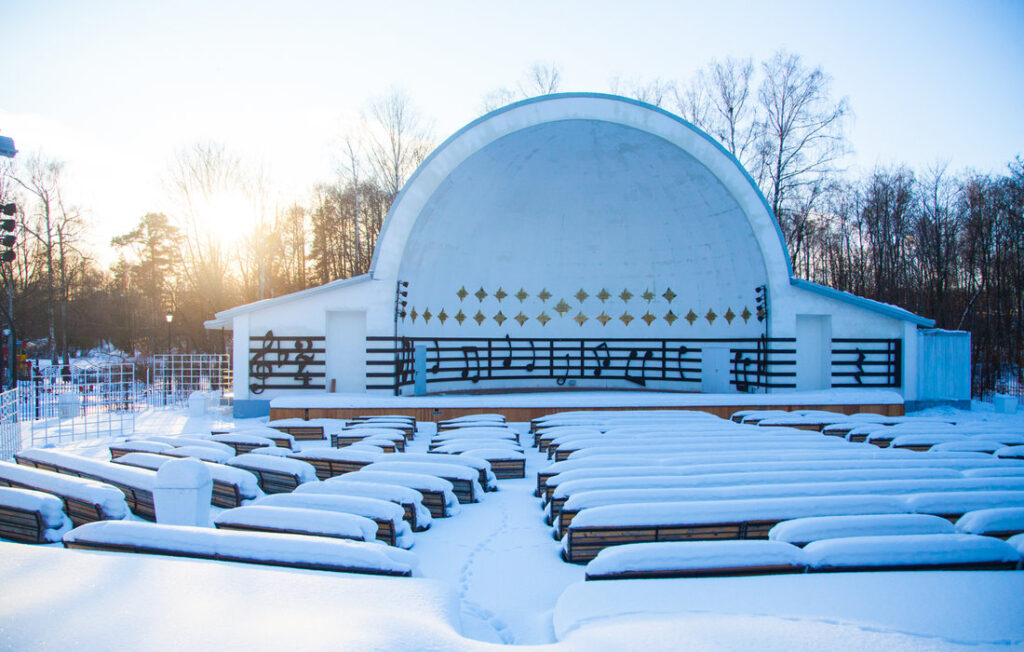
x: 585, y: 241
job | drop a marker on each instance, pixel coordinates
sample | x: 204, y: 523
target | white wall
x: 346, y: 350
x: 813, y: 352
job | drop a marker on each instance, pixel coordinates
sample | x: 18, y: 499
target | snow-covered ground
x: 489, y: 575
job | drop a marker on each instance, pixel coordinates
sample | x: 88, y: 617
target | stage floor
x: 523, y: 406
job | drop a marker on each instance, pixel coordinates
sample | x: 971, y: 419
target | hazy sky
x: 114, y: 88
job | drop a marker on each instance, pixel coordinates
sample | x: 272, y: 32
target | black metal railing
x: 866, y: 362
x: 755, y: 362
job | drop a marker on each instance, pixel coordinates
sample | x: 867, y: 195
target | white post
x: 182, y: 493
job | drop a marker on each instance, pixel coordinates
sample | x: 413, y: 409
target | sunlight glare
x: 226, y: 217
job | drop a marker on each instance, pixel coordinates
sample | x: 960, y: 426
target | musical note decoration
x: 286, y: 362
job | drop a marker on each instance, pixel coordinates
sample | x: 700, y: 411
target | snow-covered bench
x: 695, y: 559
x: 203, y: 453
x: 463, y: 445
x: 1011, y: 452
x: 307, y: 429
x: 185, y: 440
x: 232, y: 487
x: 566, y: 489
x: 910, y: 552
x: 275, y: 474
x: 28, y: 516
x: 920, y: 441
x: 410, y: 500
x: 464, y: 479
x: 677, y: 446
x: 597, y: 528
x: 542, y: 438
x: 598, y: 498
x: 486, y: 476
x: 952, y: 505
x: 801, y: 531
x: 137, y: 446
x: 390, y: 518
x: 243, y: 443
x: 297, y: 520
x: 136, y: 484
x: 84, y: 500
x: 477, y: 432
x: 438, y: 495
x: 279, y: 437
x: 395, y: 437
x: 289, y: 550
x: 1001, y: 522
x: 507, y: 464
x: 406, y: 424
x: 330, y: 462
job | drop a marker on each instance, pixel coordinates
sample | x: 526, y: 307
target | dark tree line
x: 946, y: 246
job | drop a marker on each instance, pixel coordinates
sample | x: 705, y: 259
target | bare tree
x: 539, y: 79
x: 802, y: 138
x: 399, y: 140
x: 655, y: 91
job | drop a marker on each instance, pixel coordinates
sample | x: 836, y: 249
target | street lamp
x: 169, y: 316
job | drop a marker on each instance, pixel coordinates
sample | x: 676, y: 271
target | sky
x: 115, y: 88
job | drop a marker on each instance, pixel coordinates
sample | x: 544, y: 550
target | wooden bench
x: 695, y: 559
x: 230, y: 487
x: 410, y: 500
x: 28, y: 516
x: 275, y: 475
x: 334, y: 462
x: 306, y: 429
x: 138, y: 446
x: 597, y: 528
x: 348, y: 437
x: 462, y: 478
x: 389, y: 517
x: 297, y: 520
x: 84, y: 500
x: 135, y: 484
x: 243, y: 443
x: 292, y: 551
x: 438, y: 494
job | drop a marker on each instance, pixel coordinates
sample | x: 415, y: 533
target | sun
x: 226, y: 216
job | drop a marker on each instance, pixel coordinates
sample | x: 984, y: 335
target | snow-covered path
x: 500, y: 557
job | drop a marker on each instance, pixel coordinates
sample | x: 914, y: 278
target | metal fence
x: 10, y: 424
x: 176, y: 376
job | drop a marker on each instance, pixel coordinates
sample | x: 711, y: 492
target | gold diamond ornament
x: 670, y: 317
x: 647, y: 296
x: 691, y: 317
x: 603, y: 295
x: 426, y: 315
x: 626, y: 318
x: 746, y: 314
x: 581, y: 296
x: 500, y: 294
x: 414, y: 315
x: 562, y: 307
x: 580, y: 318
x: 521, y: 295
x: 603, y: 318
x: 480, y: 294
x: 649, y: 318
x: 711, y: 316
x: 625, y: 295
x: 729, y: 315
x: 669, y: 295
x: 544, y: 295
x: 442, y: 316
x: 543, y: 318
x: 462, y: 293
x: 479, y: 317
x: 500, y: 318
x: 521, y: 318
x: 460, y: 317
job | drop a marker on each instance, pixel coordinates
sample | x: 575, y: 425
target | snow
x: 378, y: 510
x: 468, y: 445
x: 479, y: 464
x: 476, y: 433
x: 372, y: 430
x: 968, y: 444
x: 326, y: 424
x: 201, y: 452
x: 269, y: 433
x: 305, y: 471
x: 243, y: 438
x: 292, y: 548
x: 497, y: 564
x: 733, y: 511
x: 343, y: 486
x: 1017, y: 541
x: 960, y: 502
x: 999, y: 519
x: 908, y: 550
x: 50, y: 508
x: 110, y: 499
x: 248, y: 486
x: 182, y: 474
x: 491, y: 417
x: 274, y: 451
x: 144, y: 446
x: 344, y: 454
x: 943, y: 608
x: 187, y: 441
x: 126, y: 475
x: 566, y: 489
x: 1013, y: 452
x: 804, y: 530
x: 924, y: 439
x: 419, y: 481
x: 689, y: 555
x: 314, y: 521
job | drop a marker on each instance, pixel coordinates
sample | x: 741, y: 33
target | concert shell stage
x: 582, y: 241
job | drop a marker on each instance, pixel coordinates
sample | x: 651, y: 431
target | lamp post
x: 169, y: 316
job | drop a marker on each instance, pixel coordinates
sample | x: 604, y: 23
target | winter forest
x: 944, y: 243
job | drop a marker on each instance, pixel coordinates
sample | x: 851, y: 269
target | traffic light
x: 7, y: 225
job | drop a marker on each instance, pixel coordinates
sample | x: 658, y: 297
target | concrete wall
x: 944, y: 369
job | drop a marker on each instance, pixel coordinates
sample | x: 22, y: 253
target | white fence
x: 176, y: 376
x: 61, y: 405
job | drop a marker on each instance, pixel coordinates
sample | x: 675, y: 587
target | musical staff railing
x: 755, y: 362
x: 866, y: 362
